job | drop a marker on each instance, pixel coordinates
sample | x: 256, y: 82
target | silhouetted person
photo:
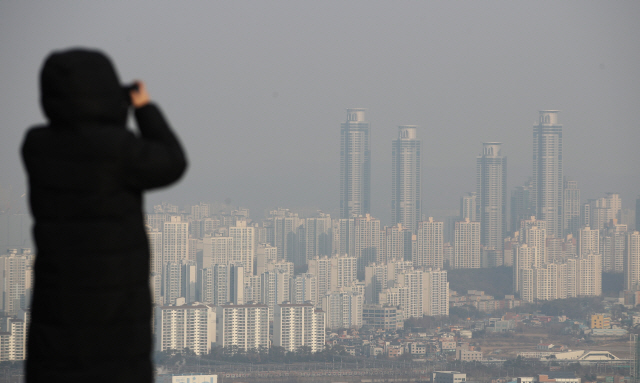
x: 91, y: 307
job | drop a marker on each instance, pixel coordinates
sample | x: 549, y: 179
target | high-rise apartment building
x: 612, y: 248
x: 491, y: 183
x: 571, y: 208
x: 397, y: 243
x: 175, y: 240
x: 333, y: 273
x: 228, y: 284
x: 298, y: 325
x: 367, y: 242
x: 286, y: 235
x: 304, y: 288
x: 171, y: 282
x: 264, y: 255
x: 428, y: 292
x: 188, y: 280
x: 533, y: 232
x: 155, y: 250
x: 13, y: 336
x: 242, y: 247
x: 632, y: 262
x: 16, y: 278
x: 405, y: 178
x: 355, y: 165
x: 344, y: 309
x: 318, y: 236
x: 216, y: 250
x: 547, y: 191
x: 467, y: 253
x: 430, y: 244
x: 243, y: 327
x: 588, y: 241
x: 185, y: 326
x: 468, y: 207
x: 274, y: 285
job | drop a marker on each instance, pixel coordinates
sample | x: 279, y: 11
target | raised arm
x: 156, y: 157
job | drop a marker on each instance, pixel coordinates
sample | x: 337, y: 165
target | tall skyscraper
x: 355, y: 165
x: 547, y: 171
x: 491, y: 183
x: 405, y: 178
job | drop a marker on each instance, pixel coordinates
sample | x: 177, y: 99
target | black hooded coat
x: 91, y: 306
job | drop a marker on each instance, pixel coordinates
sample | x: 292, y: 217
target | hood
x: 81, y: 86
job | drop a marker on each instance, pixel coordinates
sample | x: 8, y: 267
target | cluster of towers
x: 481, y: 235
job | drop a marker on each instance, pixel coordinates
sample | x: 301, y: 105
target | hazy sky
x: 257, y: 90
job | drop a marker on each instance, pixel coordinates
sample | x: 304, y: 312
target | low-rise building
x: 600, y: 321
x: 448, y: 377
x: 383, y: 317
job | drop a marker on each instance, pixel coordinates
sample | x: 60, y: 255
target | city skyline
x: 257, y: 92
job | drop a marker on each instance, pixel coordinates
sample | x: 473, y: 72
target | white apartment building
x: 13, y: 337
x: 612, y: 248
x: 524, y: 258
x: 171, y: 282
x: 242, y: 247
x: 216, y: 250
x: 252, y: 288
x: 185, y: 326
x: 155, y: 250
x: 588, y: 241
x: 584, y: 276
x: 274, y: 288
x: 343, y: 309
x: 243, y: 327
x: 265, y: 254
x: 430, y: 242
x: 333, y: 273
x: 397, y: 243
x: 367, y: 242
x: 467, y: 253
x: 398, y: 296
x: 468, y: 207
x: 175, y: 240
x: 298, y: 325
x: 533, y: 233
x: 304, y: 288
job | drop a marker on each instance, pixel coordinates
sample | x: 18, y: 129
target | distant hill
x: 496, y: 281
